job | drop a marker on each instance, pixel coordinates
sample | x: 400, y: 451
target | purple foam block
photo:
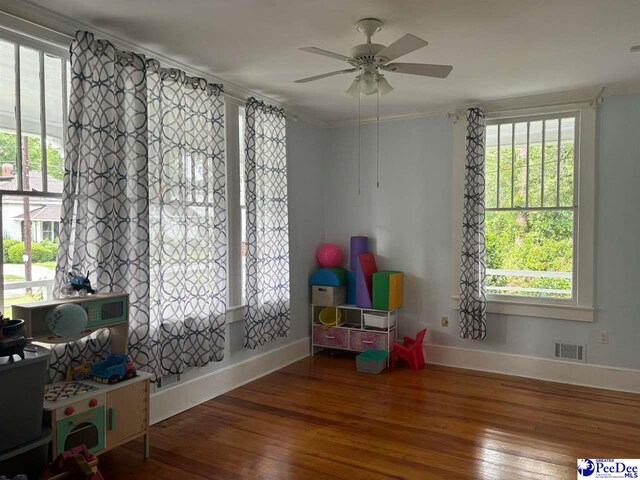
x: 351, y: 288
x: 358, y: 245
x: 363, y: 299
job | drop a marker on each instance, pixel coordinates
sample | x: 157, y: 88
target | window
x: 539, y: 201
x: 33, y: 105
x: 236, y: 207
x: 50, y: 231
x: 243, y: 200
x: 530, y: 206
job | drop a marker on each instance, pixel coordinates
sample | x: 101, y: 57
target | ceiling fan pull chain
x: 359, y: 122
x: 378, y: 140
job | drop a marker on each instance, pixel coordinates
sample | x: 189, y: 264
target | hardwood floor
x: 320, y: 419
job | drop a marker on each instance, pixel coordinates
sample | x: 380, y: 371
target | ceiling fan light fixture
x: 367, y: 82
x: 368, y: 88
x: 383, y: 85
x: 354, y: 89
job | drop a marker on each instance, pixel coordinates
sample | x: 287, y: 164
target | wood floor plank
x: 320, y: 419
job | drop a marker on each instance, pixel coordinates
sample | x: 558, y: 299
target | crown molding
x: 34, y: 21
x: 27, y: 19
x: 590, y: 96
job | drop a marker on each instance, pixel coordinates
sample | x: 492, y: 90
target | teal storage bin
x: 372, y: 361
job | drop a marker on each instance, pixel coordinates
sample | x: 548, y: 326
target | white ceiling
x: 499, y: 48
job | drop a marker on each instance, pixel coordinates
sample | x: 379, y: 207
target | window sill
x: 542, y: 310
x: 235, y: 314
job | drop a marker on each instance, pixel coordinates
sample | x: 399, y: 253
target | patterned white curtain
x: 473, y: 314
x: 267, y: 225
x: 187, y: 203
x: 144, y: 205
x: 104, y: 228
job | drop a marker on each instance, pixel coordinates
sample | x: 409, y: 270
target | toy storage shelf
x: 351, y: 332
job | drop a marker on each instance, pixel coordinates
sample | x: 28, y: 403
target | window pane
x: 535, y: 164
x: 567, y: 155
x: 55, y: 123
x: 30, y: 115
x: 243, y: 205
x: 551, y: 163
x: 30, y: 246
x: 505, y: 164
x: 520, y: 162
x: 7, y: 117
x: 530, y: 253
x: 491, y: 166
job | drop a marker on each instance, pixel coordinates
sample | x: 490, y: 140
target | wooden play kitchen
x: 101, y: 416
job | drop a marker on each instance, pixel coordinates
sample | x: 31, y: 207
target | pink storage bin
x: 361, y: 341
x: 330, y: 336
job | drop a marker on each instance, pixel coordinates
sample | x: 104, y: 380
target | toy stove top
x: 10, y: 346
x: 64, y: 391
x: 61, y: 394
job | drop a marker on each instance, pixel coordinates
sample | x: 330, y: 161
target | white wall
x: 409, y: 218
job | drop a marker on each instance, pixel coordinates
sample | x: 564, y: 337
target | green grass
x: 13, y: 278
x: 8, y: 277
x: 20, y: 299
x: 49, y: 265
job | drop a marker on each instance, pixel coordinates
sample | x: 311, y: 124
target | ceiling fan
x: 369, y: 58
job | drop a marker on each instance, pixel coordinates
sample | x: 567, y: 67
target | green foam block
x: 385, y: 292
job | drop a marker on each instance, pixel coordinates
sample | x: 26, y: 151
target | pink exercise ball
x: 329, y: 255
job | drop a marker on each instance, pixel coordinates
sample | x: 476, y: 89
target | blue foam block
x: 329, y: 277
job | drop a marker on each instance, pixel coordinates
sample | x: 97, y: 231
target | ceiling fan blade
x: 635, y: 49
x: 324, y: 75
x: 326, y: 53
x: 402, y: 46
x: 424, y: 69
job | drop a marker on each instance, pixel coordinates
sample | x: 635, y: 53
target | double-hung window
x: 33, y: 106
x: 539, y: 212
x: 242, y: 200
x: 235, y: 150
x: 531, y: 209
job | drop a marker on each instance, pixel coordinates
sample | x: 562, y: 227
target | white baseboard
x: 183, y: 396
x: 599, y: 376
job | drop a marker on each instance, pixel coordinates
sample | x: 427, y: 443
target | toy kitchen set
x: 101, y: 406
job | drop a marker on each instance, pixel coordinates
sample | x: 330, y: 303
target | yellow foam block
x: 395, y: 290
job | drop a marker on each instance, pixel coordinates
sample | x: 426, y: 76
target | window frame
x: 43, y: 48
x: 235, y: 299
x: 580, y: 306
x: 501, y: 297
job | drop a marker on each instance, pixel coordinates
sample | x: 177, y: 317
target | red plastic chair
x: 410, y: 351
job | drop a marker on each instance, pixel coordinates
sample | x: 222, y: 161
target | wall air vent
x: 167, y: 380
x: 570, y: 351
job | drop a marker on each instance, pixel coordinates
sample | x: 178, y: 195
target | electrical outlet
x: 445, y: 321
x: 603, y: 337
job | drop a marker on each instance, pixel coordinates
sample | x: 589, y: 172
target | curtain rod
x: 594, y: 103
